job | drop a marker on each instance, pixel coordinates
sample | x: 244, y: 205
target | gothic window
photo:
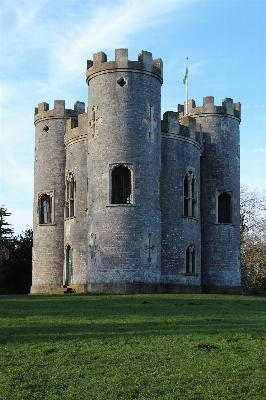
x: 121, y: 185
x: 191, y: 260
x: 45, y: 208
x: 190, y: 200
x: 70, y: 195
x: 224, y: 208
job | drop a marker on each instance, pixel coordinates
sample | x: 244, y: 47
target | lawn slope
x: 187, y: 347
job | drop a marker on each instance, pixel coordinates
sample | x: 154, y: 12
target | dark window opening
x: 121, y: 185
x: 45, y: 209
x: 122, y: 82
x: 69, y: 265
x: 190, y: 200
x: 46, y: 128
x: 190, y: 260
x: 70, y: 196
x: 224, y: 208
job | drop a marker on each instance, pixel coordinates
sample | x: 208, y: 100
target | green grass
x: 187, y: 347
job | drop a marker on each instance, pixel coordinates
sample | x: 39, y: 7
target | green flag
x: 185, y: 76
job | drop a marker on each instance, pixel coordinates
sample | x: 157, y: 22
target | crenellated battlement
x: 176, y: 126
x: 228, y: 108
x: 76, y: 129
x: 145, y: 64
x: 42, y: 112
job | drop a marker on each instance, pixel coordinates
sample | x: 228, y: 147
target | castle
x: 127, y: 203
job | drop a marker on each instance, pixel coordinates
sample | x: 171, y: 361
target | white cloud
x: 107, y: 28
x: 26, y: 11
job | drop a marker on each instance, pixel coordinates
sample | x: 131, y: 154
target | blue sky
x: 45, y: 45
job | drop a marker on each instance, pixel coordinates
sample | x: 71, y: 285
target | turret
x: 220, y: 193
x: 49, y: 196
x: 75, y: 215
x: 180, y: 202
x: 124, y: 221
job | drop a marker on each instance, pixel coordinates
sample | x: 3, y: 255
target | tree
x: 5, y: 234
x: 253, y: 241
x: 15, y: 258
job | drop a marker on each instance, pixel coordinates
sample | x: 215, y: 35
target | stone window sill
x: 186, y: 274
x: 224, y: 223
x: 51, y: 224
x: 193, y: 218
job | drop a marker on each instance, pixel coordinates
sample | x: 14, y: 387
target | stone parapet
x: 42, y: 112
x: 76, y: 130
x: 228, y: 108
x: 183, y: 128
x: 145, y: 64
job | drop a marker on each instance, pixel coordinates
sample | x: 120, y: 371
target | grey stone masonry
x: 76, y: 140
x: 124, y: 130
x: 127, y: 203
x: 49, y: 179
x: 181, y: 145
x: 219, y: 174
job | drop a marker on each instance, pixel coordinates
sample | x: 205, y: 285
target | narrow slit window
x: 70, y: 196
x: 191, y: 260
x: 69, y: 265
x: 121, y: 185
x: 190, y: 199
x: 224, y: 208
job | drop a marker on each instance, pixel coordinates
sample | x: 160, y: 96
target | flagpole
x: 187, y: 90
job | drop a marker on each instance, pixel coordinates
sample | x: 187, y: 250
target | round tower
x: 220, y: 194
x: 49, y: 197
x: 180, y: 203
x: 124, y: 149
x: 76, y: 145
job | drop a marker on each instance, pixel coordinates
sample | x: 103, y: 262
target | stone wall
x: 181, y: 144
x: 124, y: 240
x: 219, y: 173
x: 76, y: 142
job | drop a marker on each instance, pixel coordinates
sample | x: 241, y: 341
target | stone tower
x: 220, y: 193
x: 124, y: 147
x: 76, y: 146
x: 180, y: 201
x: 49, y: 196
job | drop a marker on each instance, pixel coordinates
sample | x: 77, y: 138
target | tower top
x: 228, y: 108
x: 145, y: 64
x: 42, y: 112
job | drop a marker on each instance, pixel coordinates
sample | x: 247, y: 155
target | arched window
x: 190, y: 199
x: 45, y: 209
x: 121, y: 185
x: 69, y: 264
x: 224, y: 208
x: 70, y: 195
x: 191, y: 260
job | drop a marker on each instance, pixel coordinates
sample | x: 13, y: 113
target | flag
x: 185, y: 76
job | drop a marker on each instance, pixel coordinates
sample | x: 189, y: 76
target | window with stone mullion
x: 70, y: 197
x: 190, y: 195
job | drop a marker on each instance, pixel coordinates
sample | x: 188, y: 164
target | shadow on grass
x: 34, y: 319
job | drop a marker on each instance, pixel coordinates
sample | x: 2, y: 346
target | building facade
x: 127, y: 203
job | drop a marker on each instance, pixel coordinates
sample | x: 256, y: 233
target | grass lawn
x: 187, y: 347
